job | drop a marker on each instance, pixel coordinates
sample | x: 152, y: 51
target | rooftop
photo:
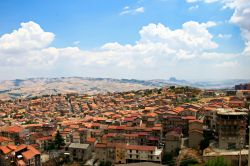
x: 78, y: 146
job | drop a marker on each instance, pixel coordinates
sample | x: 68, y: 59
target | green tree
x: 217, y: 161
x: 59, y: 141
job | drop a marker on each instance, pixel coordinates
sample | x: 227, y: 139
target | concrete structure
x: 195, y: 137
x: 79, y: 152
x: 173, y: 141
x: 124, y: 153
x: 143, y: 153
x: 231, y: 127
x: 195, y: 132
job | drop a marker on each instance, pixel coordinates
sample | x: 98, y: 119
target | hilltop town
x: 172, y: 125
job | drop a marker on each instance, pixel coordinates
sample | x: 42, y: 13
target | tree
x: 59, y: 141
x: 217, y: 161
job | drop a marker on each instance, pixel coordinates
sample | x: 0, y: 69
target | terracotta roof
x: 20, y: 147
x: 90, y: 139
x: 31, y: 152
x: 5, y: 149
x: 4, y: 139
x: 100, y: 145
x: 15, y: 129
x: 192, y: 109
x: 141, y: 148
x: 189, y: 117
x: 178, y: 109
x: 12, y: 147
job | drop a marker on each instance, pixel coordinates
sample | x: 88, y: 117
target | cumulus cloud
x: 157, y: 46
x: 128, y: 10
x: 240, y: 17
x: 28, y: 37
x: 156, y: 40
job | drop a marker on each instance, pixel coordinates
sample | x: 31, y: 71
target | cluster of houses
x: 124, y: 127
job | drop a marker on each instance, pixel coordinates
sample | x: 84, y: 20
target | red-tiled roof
x: 90, y: 139
x: 178, y: 109
x: 100, y: 145
x: 189, y: 117
x: 15, y: 129
x: 141, y: 148
x: 4, y: 139
x: 5, y: 149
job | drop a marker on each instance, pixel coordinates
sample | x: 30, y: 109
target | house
x: 120, y: 153
x: 101, y: 152
x: 143, y: 153
x: 14, y: 132
x: 173, y: 141
x: 28, y: 155
x: 79, y: 152
x: 195, y: 137
x: 5, y: 141
x: 195, y: 132
x: 231, y: 128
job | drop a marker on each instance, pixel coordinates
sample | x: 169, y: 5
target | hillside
x: 10, y: 89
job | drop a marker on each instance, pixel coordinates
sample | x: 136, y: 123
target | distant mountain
x: 208, y: 84
x: 31, y: 87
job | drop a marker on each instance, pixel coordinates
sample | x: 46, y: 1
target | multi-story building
x: 143, y: 153
x: 124, y: 153
x: 231, y: 127
x: 79, y: 152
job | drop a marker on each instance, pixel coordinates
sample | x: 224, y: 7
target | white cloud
x: 193, y: 7
x: 128, y: 10
x: 139, y: 10
x: 240, y: 17
x: 157, y: 46
x: 30, y: 36
x: 156, y: 42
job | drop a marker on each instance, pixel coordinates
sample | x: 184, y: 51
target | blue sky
x: 107, y: 39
